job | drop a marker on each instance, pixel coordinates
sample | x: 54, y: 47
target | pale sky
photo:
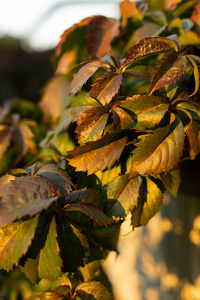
x: 41, y: 22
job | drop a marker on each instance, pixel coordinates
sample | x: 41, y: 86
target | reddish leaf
x: 5, y: 139
x: 106, y: 87
x: 169, y: 71
x: 91, y: 124
x: 101, y: 32
x: 85, y: 73
x: 196, y: 14
x: 150, y: 46
x: 98, y: 159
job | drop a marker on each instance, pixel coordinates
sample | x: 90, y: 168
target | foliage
x: 123, y: 124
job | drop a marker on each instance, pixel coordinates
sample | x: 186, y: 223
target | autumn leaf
x: 22, y: 196
x: 85, y: 73
x: 91, y: 124
x: 150, y: 46
x: 100, y: 33
x: 5, y: 139
x: 169, y: 71
x: 172, y: 181
x: 195, y: 62
x: 160, y: 151
x: 92, y: 290
x: 98, y: 159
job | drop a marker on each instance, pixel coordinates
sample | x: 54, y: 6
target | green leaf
x: 169, y: 71
x: 85, y: 73
x: 148, y: 110
x: 80, y: 103
x: 15, y: 240
x: 73, y: 245
x: 23, y: 196
x: 153, y: 203
x: 150, y: 46
x: 61, y: 281
x: 52, y: 296
x: 98, y: 159
x: 91, y: 124
x: 172, y: 181
x: 124, y: 192
x: 92, y: 212
x: 93, y: 290
x: 58, y: 178
x: 50, y: 262
x: 5, y: 139
x: 159, y: 152
x: 30, y: 269
x: 106, y: 87
x: 100, y: 33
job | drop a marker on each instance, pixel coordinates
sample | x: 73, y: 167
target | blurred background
x: 159, y: 262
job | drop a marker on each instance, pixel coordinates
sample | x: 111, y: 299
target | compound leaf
x: 50, y: 262
x: 15, y: 240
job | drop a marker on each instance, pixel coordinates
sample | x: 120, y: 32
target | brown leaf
x: 101, y: 32
x: 196, y: 14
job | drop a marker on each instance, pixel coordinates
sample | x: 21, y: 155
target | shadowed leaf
x: 91, y: 124
x: 93, y: 290
x: 15, y: 240
x: 159, y: 152
x: 30, y: 269
x: 85, y: 73
x: 121, y: 119
x: 90, y: 211
x: 50, y: 262
x: 98, y: 159
x: 106, y: 87
x: 172, y: 181
x: 85, y: 196
x: 58, y: 178
x: 24, y: 196
x: 169, y: 71
x: 101, y: 32
x: 73, y: 245
x: 195, y: 61
x: 5, y: 139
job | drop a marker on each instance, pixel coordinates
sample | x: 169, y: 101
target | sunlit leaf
x: 15, y: 240
x: 90, y: 211
x: 92, y: 290
x: 160, y: 151
x: 148, y: 110
x: 50, y: 262
x: 98, y: 159
x: 63, y: 280
x: 58, y: 178
x: 153, y: 202
x: 124, y: 192
x: 85, y: 73
x: 121, y: 119
x: 169, y: 71
x: 150, y: 46
x: 101, y: 32
x: 196, y: 14
x: 5, y: 139
x: 172, y: 181
x: 24, y: 196
x: 91, y: 124
x: 106, y: 87
x: 194, y: 61
x: 73, y: 245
